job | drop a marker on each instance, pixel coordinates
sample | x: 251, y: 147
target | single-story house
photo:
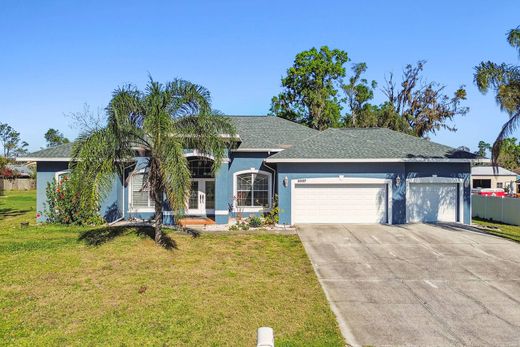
x: 369, y: 175
x: 489, y: 177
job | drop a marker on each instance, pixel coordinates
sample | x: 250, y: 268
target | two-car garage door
x: 427, y: 200
x: 340, y: 203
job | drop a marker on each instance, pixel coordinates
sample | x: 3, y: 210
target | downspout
x: 274, y: 177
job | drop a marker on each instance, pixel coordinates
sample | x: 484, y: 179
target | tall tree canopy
x: 12, y: 145
x: 160, y: 123
x: 504, y: 80
x: 310, y: 89
x: 483, y: 147
x: 315, y: 94
x: 54, y: 138
x: 423, y: 106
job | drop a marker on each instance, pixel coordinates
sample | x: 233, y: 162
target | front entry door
x: 202, y: 197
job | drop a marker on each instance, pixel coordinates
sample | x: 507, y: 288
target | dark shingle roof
x: 256, y: 133
x: 269, y: 132
x: 368, y: 143
x: 61, y: 151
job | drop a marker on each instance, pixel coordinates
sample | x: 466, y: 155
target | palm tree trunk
x: 158, y: 216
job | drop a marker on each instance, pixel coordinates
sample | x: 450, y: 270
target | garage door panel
x: 340, y: 203
x: 432, y: 202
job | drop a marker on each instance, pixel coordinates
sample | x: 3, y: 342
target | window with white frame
x: 61, y: 174
x: 140, y: 192
x: 253, y: 189
x: 500, y: 185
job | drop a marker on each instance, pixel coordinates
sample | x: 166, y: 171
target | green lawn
x: 500, y: 229
x: 56, y: 288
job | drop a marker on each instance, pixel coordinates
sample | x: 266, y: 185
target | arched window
x: 253, y: 189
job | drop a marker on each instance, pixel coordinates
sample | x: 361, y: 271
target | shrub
x: 255, y: 222
x: 273, y: 216
x: 244, y: 226
x: 64, y: 205
x: 234, y: 227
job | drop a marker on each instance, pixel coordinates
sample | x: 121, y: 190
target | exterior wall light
x: 285, y: 181
x: 398, y: 181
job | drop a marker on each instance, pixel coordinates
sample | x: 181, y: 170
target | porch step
x: 189, y: 221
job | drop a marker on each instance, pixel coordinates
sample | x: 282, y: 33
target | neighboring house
x: 335, y: 176
x: 487, y: 177
x: 16, y: 177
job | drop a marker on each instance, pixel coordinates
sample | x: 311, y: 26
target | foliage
x: 234, y: 227
x: 483, y: 147
x: 255, y: 221
x: 509, y: 156
x: 310, y: 94
x: 54, y: 138
x: 358, y: 93
x: 273, y: 216
x: 504, y: 80
x: 64, y: 205
x: 422, y: 106
x: 312, y: 89
x: 12, y: 145
x: 160, y: 122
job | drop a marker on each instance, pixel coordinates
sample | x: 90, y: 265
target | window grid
x: 252, y: 190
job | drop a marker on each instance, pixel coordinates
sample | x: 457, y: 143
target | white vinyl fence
x: 505, y: 210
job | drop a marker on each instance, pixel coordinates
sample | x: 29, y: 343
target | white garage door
x: 432, y: 202
x: 339, y: 203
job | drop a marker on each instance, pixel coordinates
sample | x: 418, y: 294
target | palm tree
x: 159, y: 124
x: 504, y: 79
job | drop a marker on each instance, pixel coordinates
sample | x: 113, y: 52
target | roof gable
x: 368, y: 143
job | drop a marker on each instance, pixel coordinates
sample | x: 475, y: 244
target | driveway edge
x: 349, y: 338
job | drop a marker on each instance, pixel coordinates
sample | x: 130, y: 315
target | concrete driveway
x: 418, y: 284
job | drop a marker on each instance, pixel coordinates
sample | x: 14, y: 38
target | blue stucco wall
x: 294, y: 171
x: 243, y: 161
x: 45, y: 173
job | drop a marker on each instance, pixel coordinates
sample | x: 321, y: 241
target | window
x: 500, y: 185
x: 480, y: 183
x: 200, y: 167
x: 61, y: 174
x: 140, y: 192
x: 253, y: 189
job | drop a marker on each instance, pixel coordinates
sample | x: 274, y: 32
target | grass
x: 105, y: 286
x: 500, y: 229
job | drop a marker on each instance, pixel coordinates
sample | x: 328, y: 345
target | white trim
x: 269, y: 193
x: 345, y: 180
x: 257, y: 150
x: 58, y: 173
x: 201, y: 194
x: 433, y: 180
x: 221, y: 212
x: 41, y: 159
x: 366, y: 160
x: 196, y: 153
x: 131, y: 208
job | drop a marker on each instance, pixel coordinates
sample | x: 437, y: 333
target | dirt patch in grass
x: 213, y: 290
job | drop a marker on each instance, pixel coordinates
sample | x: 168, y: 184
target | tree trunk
x: 158, y: 215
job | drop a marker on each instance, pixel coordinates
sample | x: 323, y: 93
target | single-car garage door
x: 339, y: 203
x: 432, y: 202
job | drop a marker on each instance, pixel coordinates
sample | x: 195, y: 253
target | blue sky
x: 57, y: 55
